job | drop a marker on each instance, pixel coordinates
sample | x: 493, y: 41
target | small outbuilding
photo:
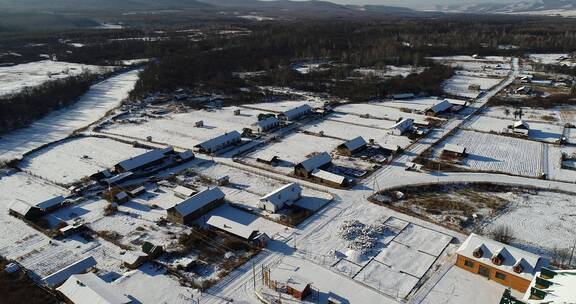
x: 281, y: 197
x: 88, y: 288
x: 352, y: 146
x: 195, y: 206
x: 265, y: 125
x: 329, y: 178
x: 451, y: 150
x: 183, y: 192
x: 320, y: 161
x: 438, y: 108
x: 401, y: 127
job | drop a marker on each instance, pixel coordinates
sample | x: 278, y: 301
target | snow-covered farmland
x: 71, y: 160
x: 380, y: 110
x: 489, y: 152
x: 282, y: 106
x: 179, y: 130
x: 419, y: 104
x: 531, y: 114
x: 554, y: 59
x: 538, y: 131
x: 101, y: 98
x: 459, y: 85
x: 15, y: 78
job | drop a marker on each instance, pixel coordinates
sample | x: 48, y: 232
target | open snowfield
x: 379, y: 110
x: 489, y: 152
x: 282, y: 106
x: 361, y: 121
x: 419, y: 104
x: 71, y: 160
x: 178, y: 129
x: 488, y: 59
x: 458, y: 85
x: 540, y: 131
x: 18, y: 77
x: 554, y: 59
x: 531, y: 114
x: 347, y: 131
x: 101, y: 98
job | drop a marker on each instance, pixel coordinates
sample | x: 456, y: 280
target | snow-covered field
x: 532, y: 114
x: 18, y: 77
x: 554, y: 59
x: 71, y: 160
x: 418, y: 104
x: 540, y: 131
x: 390, y: 71
x: 282, y: 106
x: 489, y: 152
x: 379, y: 110
x: 459, y: 85
x: 101, y: 98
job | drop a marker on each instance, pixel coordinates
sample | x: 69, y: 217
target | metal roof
x: 297, y: 112
x: 267, y: 123
x: 90, y: 289
x: 289, y: 192
x: 51, y: 202
x: 440, y: 107
x: 63, y: 274
x: 317, y: 161
x: 329, y: 176
x: 231, y: 226
x: 144, y: 159
x: 199, y: 200
x: 220, y: 140
x: 355, y: 144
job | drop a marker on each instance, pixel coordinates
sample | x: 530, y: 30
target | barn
x: 329, y: 178
x: 143, y: 161
x: 265, y: 125
x: 320, y: 161
x: 89, y: 288
x: 438, y: 108
x: 63, y: 274
x: 295, y: 113
x: 195, y: 206
x: 352, y: 146
x: 402, y: 126
x: 278, y: 198
x: 504, y: 264
x: 238, y: 229
x: 219, y: 143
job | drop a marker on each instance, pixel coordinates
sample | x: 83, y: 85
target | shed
x: 403, y: 96
x: 238, y: 229
x: 320, y: 161
x: 438, y: 108
x: 186, y: 155
x: 133, y: 260
x: 51, y: 204
x: 265, y: 125
x: 329, y: 178
x: 137, y: 192
x: 454, y: 150
x: 144, y: 160
x: 23, y: 210
x: 63, y: 274
x: 352, y: 146
x: 219, y: 143
x: 295, y: 113
x: 193, y: 207
x: 121, y: 197
x: 183, y: 192
x: 402, y: 126
x: 118, y: 178
x: 89, y: 289
x: 298, y: 288
x: 278, y: 198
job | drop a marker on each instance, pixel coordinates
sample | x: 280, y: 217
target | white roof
x: 63, y: 274
x: 185, y: 191
x: 90, y: 289
x: 390, y: 146
x: 51, y: 202
x: 283, y: 194
x: 267, y: 123
x: 521, y: 124
x: 316, y: 161
x: 230, y: 226
x: 297, y: 112
x: 329, y: 176
x: 199, y: 200
x: 560, y: 292
x: 441, y: 106
x: 531, y: 262
x: 404, y: 124
x: 454, y: 148
x: 119, y: 177
x: 218, y: 141
x: 21, y: 207
x: 355, y: 143
x: 144, y: 159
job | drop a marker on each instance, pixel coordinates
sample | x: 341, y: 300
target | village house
x: 438, y: 108
x: 144, y: 161
x: 268, y: 159
x: 240, y: 230
x: 520, y: 128
x: 281, y: 197
x: 295, y: 113
x: 265, y: 125
x: 60, y: 276
x: 499, y: 262
x: 552, y: 287
x: 23, y: 210
x: 293, y: 285
x: 219, y: 143
x: 401, y: 127
x: 451, y: 150
x: 195, y: 206
x: 329, y: 178
x: 88, y: 288
x: 320, y: 161
x: 352, y: 146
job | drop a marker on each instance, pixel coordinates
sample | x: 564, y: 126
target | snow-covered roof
x: 186, y: 155
x: 199, y: 200
x: 21, y: 207
x: 144, y: 159
x: 230, y: 226
x: 220, y: 140
x: 329, y: 176
x: 521, y: 125
x: 404, y: 124
x: 403, y: 96
x: 561, y: 290
x: 118, y: 177
x: 90, y: 289
x: 531, y: 263
x: 184, y: 191
x: 51, y: 202
x: 390, y: 147
x: 267, y: 123
x: 63, y: 274
x: 354, y: 144
x: 297, y: 112
x: 317, y: 161
x: 440, y: 106
x: 284, y: 194
x: 455, y: 148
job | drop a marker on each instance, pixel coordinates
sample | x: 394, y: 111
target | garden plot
x: 347, y: 131
x: 179, y: 130
x: 538, y: 131
x: 32, y: 74
x: 240, y: 179
x: 347, y: 268
x: 459, y: 85
x: 530, y: 114
x: 404, y: 259
x: 387, y: 280
x: 419, y: 104
x: 380, y: 110
x: 382, y: 124
x: 423, y: 239
x: 100, y: 99
x: 87, y: 211
x: 71, y: 160
x: 489, y: 152
x: 26, y: 188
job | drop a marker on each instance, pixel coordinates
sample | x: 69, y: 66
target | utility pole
x: 254, y: 275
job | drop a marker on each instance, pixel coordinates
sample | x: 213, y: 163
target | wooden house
x: 352, y: 146
x: 195, y: 206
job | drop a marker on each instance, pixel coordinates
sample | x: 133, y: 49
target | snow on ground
x: 418, y: 104
x: 241, y: 179
x: 178, y: 129
x: 489, y: 152
x: 282, y: 106
x: 554, y: 59
x: 472, y: 59
x: 347, y: 131
x: 71, y: 160
x: 532, y: 114
x: 459, y: 85
x: 543, y: 220
x: 361, y: 121
x: 15, y: 78
x: 538, y: 131
x: 459, y: 286
x: 391, y: 71
x: 387, y: 280
x: 26, y: 188
x: 101, y: 98
x: 379, y: 110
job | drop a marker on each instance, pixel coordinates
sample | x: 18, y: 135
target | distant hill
x: 97, y: 5
x: 531, y: 7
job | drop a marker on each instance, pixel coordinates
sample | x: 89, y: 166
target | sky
x: 419, y: 3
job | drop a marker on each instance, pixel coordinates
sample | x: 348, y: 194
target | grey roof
x: 267, y: 123
x: 217, y: 141
x: 455, y: 148
x: 63, y: 274
x: 317, y: 161
x: 329, y: 176
x: 199, y: 200
x: 144, y: 159
x: 355, y: 144
x: 297, y: 112
x: 51, y: 202
x: 281, y: 195
x: 21, y: 207
x: 404, y: 124
x: 441, y: 106
x: 90, y: 289
x: 231, y: 226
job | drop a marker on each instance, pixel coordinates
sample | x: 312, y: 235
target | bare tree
x: 503, y: 234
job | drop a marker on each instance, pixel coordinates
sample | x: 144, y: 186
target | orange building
x: 499, y: 262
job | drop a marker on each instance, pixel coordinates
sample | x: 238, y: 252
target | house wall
x: 198, y: 213
x: 511, y: 281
